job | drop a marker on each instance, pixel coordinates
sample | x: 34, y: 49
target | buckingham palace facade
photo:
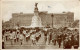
x: 64, y: 19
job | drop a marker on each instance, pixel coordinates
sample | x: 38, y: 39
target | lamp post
x: 52, y: 19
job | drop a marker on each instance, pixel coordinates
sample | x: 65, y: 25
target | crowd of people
x: 62, y: 36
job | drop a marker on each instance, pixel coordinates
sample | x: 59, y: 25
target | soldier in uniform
x: 11, y: 37
x: 37, y: 36
x: 17, y: 36
x: 14, y: 36
x: 33, y: 38
x: 76, y: 42
x: 54, y: 37
x: 59, y: 39
x: 6, y: 35
x: 48, y: 38
x: 3, y: 43
x: 72, y: 39
x: 24, y: 33
x: 50, y: 35
x: 64, y: 37
x: 67, y: 43
x: 45, y: 36
x: 21, y: 38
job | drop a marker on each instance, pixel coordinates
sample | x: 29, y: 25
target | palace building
x: 64, y: 19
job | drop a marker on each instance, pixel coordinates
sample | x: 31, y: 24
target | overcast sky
x: 55, y: 6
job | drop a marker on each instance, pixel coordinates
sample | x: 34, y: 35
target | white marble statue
x: 36, y: 20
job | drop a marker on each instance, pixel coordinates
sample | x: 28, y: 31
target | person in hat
x: 33, y: 38
x: 17, y: 36
x: 45, y: 36
x: 24, y: 33
x: 11, y: 37
x: 76, y: 42
x: 21, y: 38
x: 59, y: 39
x: 67, y: 43
x: 54, y: 38
x: 38, y: 35
x: 3, y: 42
x: 27, y: 36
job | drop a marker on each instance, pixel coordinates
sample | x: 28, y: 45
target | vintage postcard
x: 40, y: 24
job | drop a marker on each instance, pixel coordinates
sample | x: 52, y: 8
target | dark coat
x: 67, y: 44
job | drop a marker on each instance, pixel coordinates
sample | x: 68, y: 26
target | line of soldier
x: 66, y: 38
x: 19, y: 35
x: 69, y: 38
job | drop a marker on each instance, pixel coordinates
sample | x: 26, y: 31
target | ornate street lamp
x: 52, y: 19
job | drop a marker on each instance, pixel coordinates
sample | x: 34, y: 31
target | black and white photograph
x: 40, y: 24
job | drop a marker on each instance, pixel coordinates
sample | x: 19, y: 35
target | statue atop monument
x: 36, y: 4
x: 36, y: 8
